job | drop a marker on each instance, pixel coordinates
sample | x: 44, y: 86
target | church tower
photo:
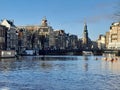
x: 85, y: 35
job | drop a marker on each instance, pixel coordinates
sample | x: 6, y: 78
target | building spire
x: 85, y: 26
x: 44, y: 18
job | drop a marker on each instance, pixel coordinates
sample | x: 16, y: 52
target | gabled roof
x: 8, y: 23
x: 11, y: 23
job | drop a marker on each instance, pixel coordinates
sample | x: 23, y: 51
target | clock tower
x: 85, y: 35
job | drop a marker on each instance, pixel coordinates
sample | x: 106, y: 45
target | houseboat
x: 87, y: 53
x: 29, y: 52
x: 7, y: 53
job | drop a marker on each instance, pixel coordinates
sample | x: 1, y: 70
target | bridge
x: 70, y: 52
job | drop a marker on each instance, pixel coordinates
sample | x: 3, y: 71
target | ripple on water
x: 59, y: 73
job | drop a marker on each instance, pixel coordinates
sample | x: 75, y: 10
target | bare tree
x: 117, y: 12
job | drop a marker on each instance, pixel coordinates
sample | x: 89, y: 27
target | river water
x: 59, y: 73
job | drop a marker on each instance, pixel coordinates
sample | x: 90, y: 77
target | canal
x: 59, y: 73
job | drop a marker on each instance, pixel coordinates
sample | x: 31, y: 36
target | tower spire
x: 85, y: 26
x: 85, y: 34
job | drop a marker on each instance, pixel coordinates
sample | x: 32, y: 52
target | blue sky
x: 68, y: 15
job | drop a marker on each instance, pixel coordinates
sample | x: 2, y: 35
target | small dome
x: 44, y: 22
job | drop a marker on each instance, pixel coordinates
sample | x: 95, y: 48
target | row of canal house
x: 112, y: 38
x: 39, y: 37
x: 8, y: 35
x: 45, y: 37
x: 34, y: 37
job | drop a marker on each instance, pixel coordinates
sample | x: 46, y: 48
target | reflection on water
x: 86, y: 66
x: 85, y: 57
x: 113, y: 66
x: 55, y: 58
x: 6, y: 64
x: 59, y: 73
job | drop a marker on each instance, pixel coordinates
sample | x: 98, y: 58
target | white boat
x: 87, y: 53
x: 7, y: 53
x: 30, y: 52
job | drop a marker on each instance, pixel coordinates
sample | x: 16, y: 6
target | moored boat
x: 7, y: 53
x: 87, y: 52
